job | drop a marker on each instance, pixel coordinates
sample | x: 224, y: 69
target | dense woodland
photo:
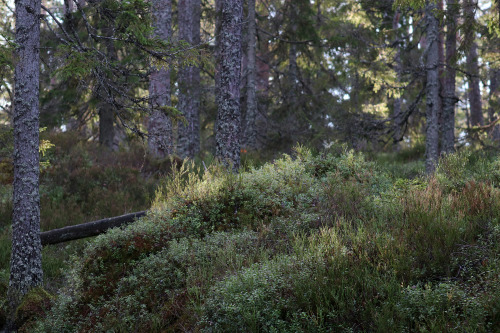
x: 306, y: 166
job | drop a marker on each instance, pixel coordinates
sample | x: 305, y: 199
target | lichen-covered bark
x: 159, y: 124
x: 432, y: 88
x: 26, y: 257
x: 188, y: 143
x: 251, y: 114
x: 449, y: 96
x: 476, y: 112
x: 227, y: 136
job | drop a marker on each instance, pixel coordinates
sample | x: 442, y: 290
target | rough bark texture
x: 441, y: 61
x: 449, y: 96
x: 88, y: 229
x: 188, y: 143
x: 159, y: 124
x: 227, y: 136
x: 251, y: 114
x: 476, y: 112
x: 432, y: 88
x: 397, y: 114
x: 494, y: 101
x: 26, y: 257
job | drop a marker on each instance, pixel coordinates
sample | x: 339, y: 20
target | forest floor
x: 331, y: 241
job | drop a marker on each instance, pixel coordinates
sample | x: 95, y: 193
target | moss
x: 3, y: 297
x: 33, y: 306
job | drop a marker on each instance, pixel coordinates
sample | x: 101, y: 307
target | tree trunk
x: 227, y: 134
x: 89, y: 229
x: 476, y: 112
x: 159, y: 124
x: 106, y: 127
x: 26, y: 257
x: 397, y: 115
x: 106, y: 109
x: 432, y: 88
x: 494, y: 107
x: 251, y: 114
x: 449, y: 96
x: 293, y: 68
x: 69, y: 7
x: 441, y: 61
x: 293, y: 74
x: 188, y: 143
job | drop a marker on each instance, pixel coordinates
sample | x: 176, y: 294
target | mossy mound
x: 34, y: 306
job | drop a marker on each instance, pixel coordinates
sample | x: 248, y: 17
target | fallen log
x: 88, y: 229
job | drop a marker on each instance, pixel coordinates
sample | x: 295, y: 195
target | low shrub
x: 325, y: 286
x: 444, y: 307
x: 313, y: 243
x: 161, y: 289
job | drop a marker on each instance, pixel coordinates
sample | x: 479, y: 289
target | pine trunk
x: 476, y: 112
x: 251, y: 114
x: 26, y: 257
x: 106, y: 109
x: 227, y: 134
x: 159, y: 124
x: 293, y: 74
x: 494, y: 101
x: 397, y: 114
x: 449, y: 96
x: 106, y: 126
x: 432, y: 88
x: 441, y: 61
x: 188, y: 143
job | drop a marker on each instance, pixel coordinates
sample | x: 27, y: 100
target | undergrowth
x: 309, y: 243
x: 79, y: 182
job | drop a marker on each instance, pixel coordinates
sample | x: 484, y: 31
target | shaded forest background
x: 321, y: 71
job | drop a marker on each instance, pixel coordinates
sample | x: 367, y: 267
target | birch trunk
x: 449, y: 96
x: 432, y: 88
x: 159, y: 124
x: 227, y: 136
x: 26, y: 257
x: 188, y: 143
